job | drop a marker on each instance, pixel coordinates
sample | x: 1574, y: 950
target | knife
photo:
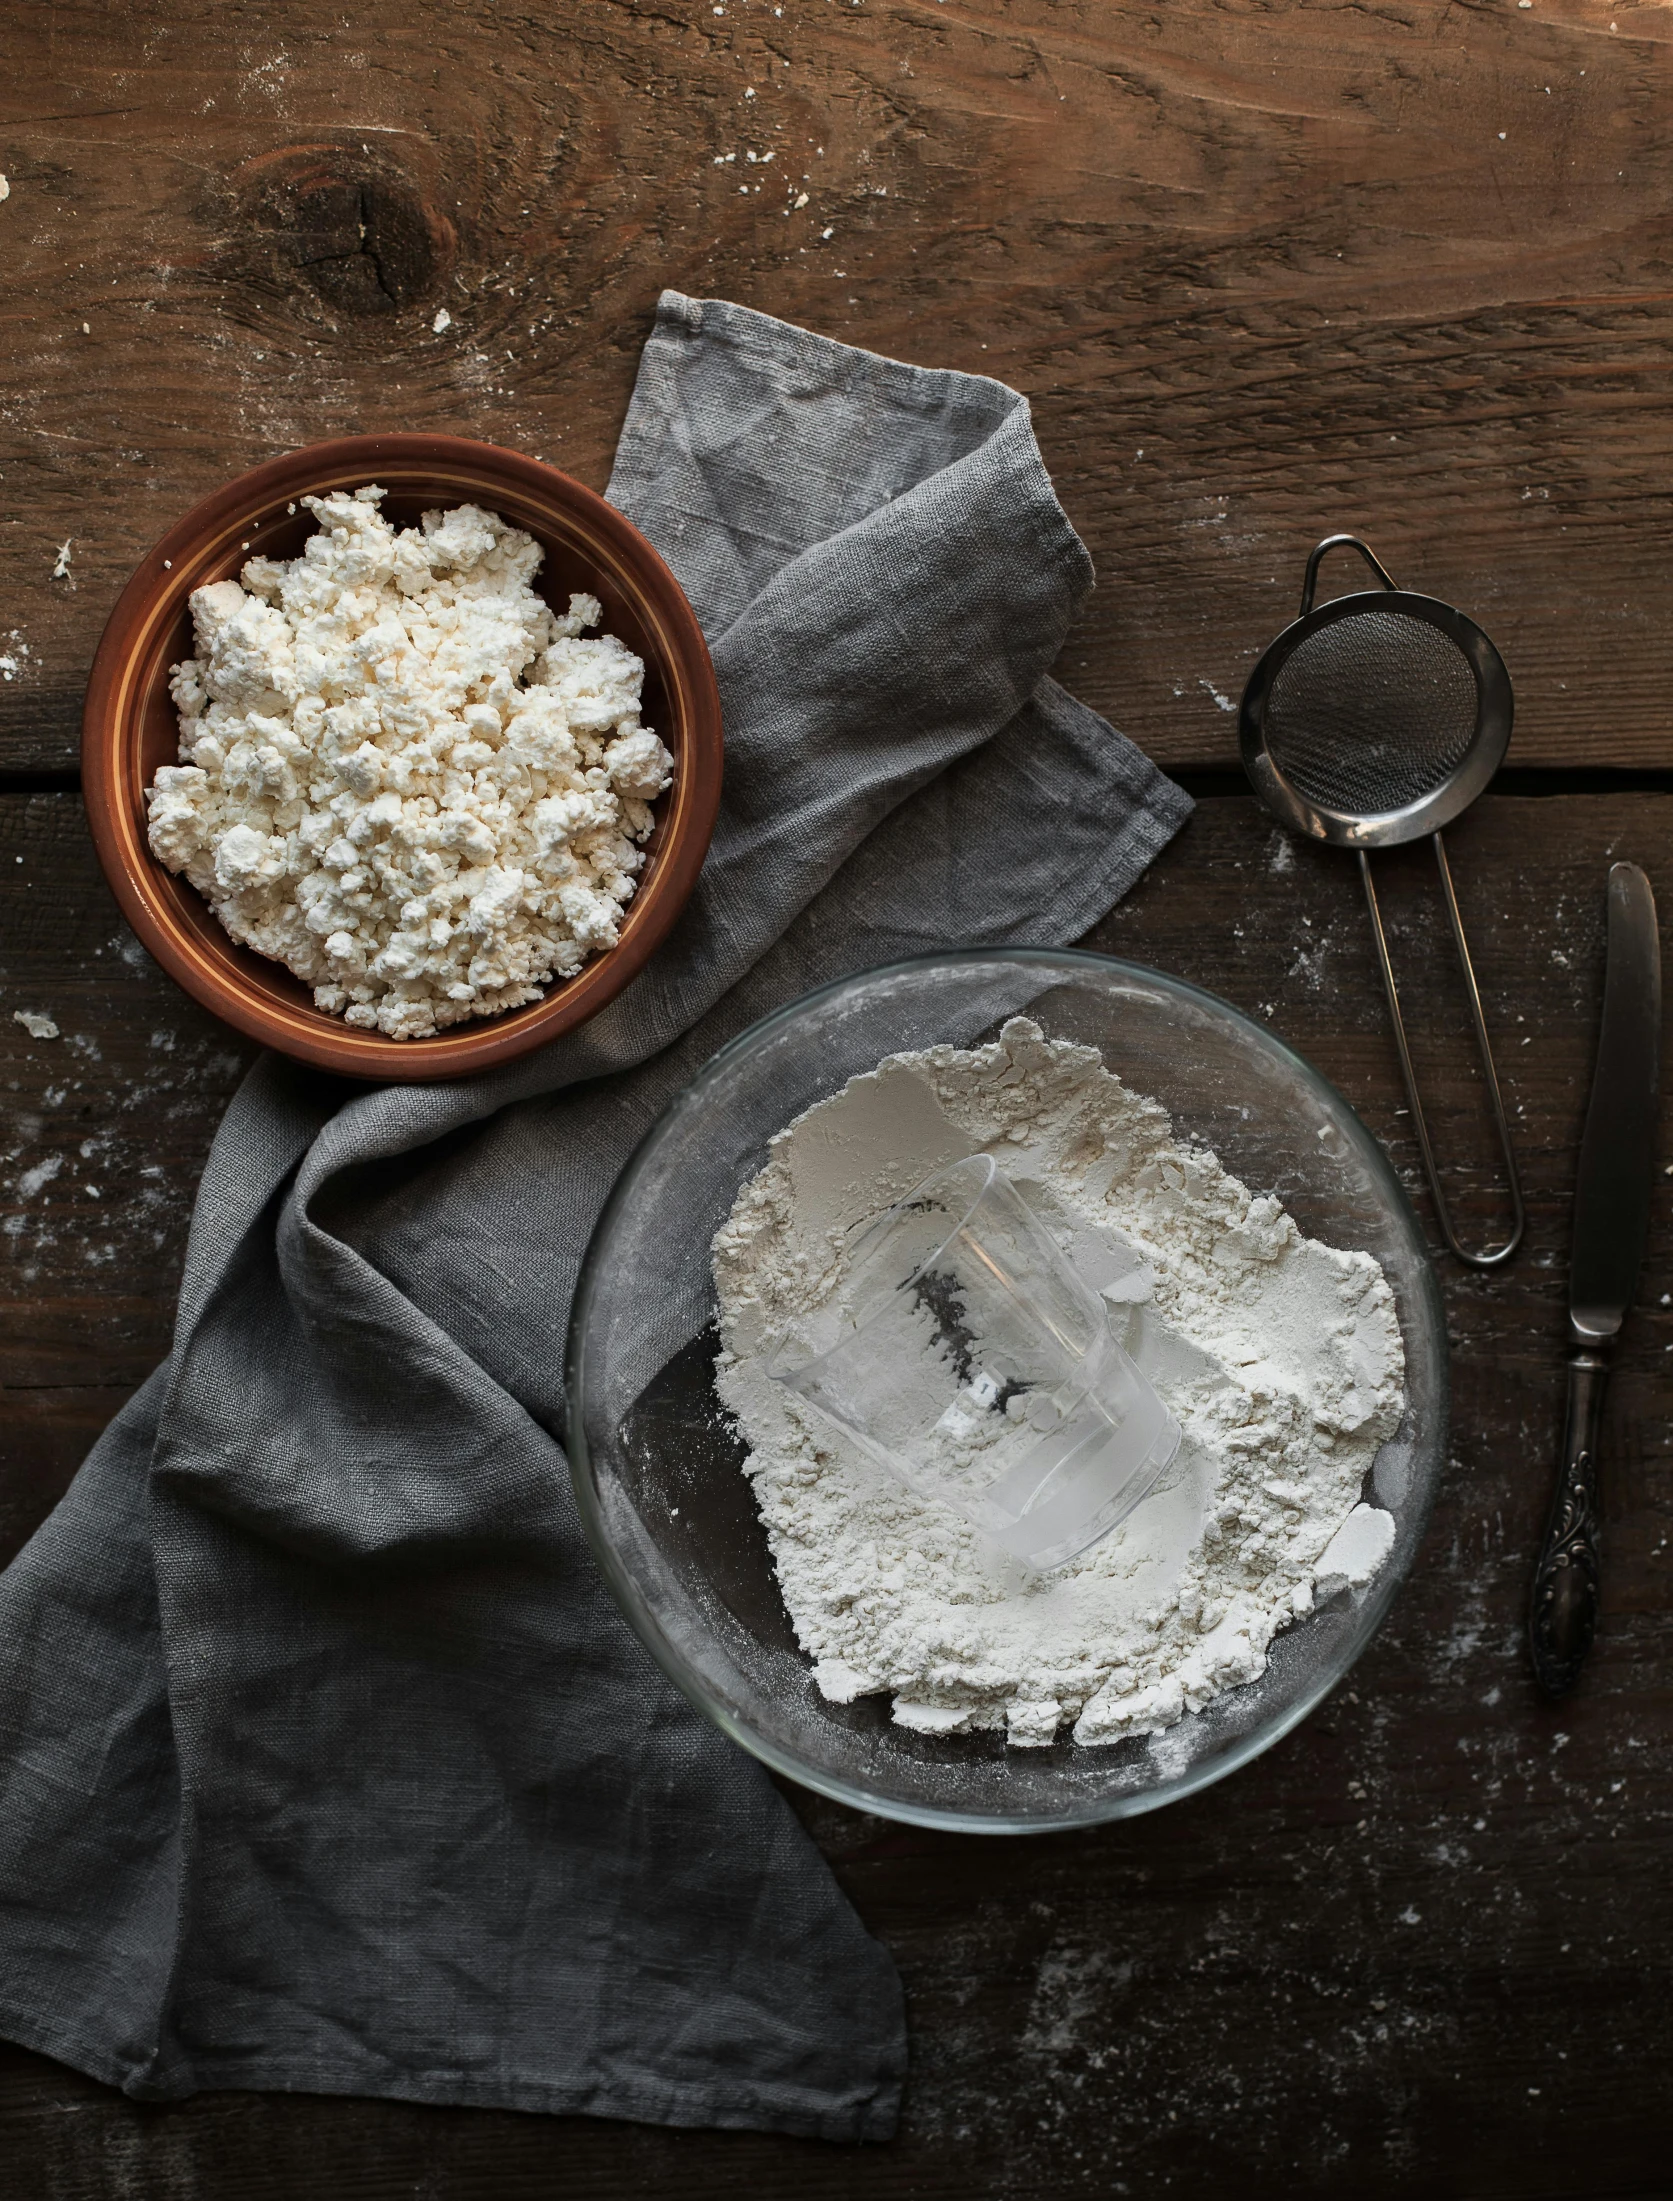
x: 1611, y: 1220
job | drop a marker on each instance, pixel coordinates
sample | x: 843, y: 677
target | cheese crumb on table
x: 404, y: 776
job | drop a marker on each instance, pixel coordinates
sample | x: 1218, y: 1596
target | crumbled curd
x: 402, y: 774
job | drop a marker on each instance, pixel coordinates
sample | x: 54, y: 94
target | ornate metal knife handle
x: 1563, y: 1618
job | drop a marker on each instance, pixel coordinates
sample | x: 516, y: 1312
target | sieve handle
x: 1495, y: 1254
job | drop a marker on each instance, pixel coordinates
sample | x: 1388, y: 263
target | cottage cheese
x: 402, y: 774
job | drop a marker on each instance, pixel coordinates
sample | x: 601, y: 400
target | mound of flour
x: 1280, y: 1356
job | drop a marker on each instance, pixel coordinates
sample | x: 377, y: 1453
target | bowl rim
x: 155, y: 595
x: 857, y: 1795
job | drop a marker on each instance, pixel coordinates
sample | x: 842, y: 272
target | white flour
x: 1280, y: 1356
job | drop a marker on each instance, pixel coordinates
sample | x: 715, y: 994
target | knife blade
x: 1611, y: 1222
x: 1617, y: 1151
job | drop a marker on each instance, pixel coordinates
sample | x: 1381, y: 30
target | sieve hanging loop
x: 1317, y: 555
x: 1374, y: 720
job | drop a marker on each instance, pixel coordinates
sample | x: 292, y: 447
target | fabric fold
x: 317, y: 1725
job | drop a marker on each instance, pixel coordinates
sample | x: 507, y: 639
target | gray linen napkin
x: 326, y: 1762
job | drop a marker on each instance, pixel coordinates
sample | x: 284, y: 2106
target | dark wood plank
x: 1264, y: 272
x: 103, y: 1134
x: 1419, y: 1947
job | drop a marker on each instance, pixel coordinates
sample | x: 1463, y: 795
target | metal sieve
x: 1370, y: 722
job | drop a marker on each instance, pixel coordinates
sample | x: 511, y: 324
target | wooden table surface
x: 1264, y: 271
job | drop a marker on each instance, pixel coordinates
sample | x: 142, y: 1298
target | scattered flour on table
x: 1280, y: 1355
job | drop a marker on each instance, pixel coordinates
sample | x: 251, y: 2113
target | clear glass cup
x: 978, y: 1368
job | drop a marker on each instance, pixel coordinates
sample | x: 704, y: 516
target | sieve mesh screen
x: 1371, y: 713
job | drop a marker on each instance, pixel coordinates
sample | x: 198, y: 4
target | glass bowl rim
x: 1429, y: 1311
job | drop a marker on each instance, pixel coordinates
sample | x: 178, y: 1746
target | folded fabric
x: 326, y: 1761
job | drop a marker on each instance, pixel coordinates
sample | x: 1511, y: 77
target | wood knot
x: 349, y: 224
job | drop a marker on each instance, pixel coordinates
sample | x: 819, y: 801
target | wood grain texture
x: 1265, y: 270
x: 103, y: 1134
x: 1418, y: 1948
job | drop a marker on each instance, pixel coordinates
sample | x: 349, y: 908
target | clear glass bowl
x: 656, y: 1461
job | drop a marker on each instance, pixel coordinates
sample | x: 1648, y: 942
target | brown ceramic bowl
x: 129, y: 727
